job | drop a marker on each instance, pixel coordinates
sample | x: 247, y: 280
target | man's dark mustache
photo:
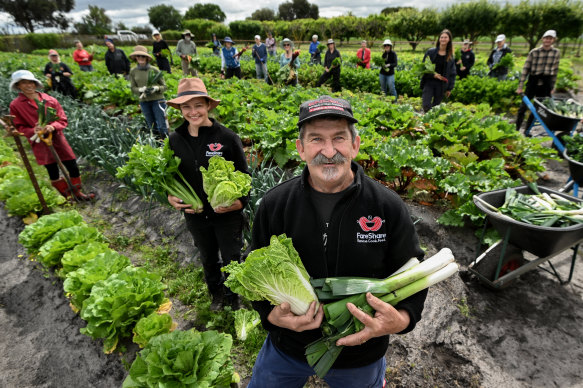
x: 321, y: 159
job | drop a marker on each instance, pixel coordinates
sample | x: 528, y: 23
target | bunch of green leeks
x: 411, y: 278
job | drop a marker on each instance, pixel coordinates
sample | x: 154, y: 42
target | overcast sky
x: 135, y: 12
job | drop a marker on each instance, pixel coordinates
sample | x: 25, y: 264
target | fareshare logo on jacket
x: 215, y: 149
x: 369, y: 225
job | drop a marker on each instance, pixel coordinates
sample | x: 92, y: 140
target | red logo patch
x: 215, y: 146
x: 370, y: 224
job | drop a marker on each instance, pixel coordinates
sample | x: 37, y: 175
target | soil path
x: 40, y: 342
x: 527, y: 335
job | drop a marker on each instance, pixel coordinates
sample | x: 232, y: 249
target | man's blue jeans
x: 261, y: 71
x: 275, y: 369
x: 155, y: 114
x: 388, y: 85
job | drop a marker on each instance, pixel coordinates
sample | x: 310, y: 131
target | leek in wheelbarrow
x: 539, y: 209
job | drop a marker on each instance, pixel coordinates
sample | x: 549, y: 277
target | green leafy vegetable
x: 118, y: 302
x: 506, y: 61
x: 35, y: 235
x: 81, y: 254
x: 568, y: 108
x: 339, y: 322
x: 27, y: 201
x: 540, y: 209
x: 245, y: 322
x: 274, y: 273
x: 151, y: 326
x: 193, y: 62
x: 423, y: 68
x: 156, y: 167
x: 79, y: 282
x: 50, y: 252
x: 46, y: 114
x: 336, y: 62
x: 222, y: 184
x: 10, y: 172
x: 153, y: 77
x: 184, y: 359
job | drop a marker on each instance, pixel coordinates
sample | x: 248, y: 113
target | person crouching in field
x: 148, y: 83
x: 24, y: 108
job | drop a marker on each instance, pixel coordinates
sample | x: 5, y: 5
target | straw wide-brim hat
x: 189, y: 88
x: 140, y: 50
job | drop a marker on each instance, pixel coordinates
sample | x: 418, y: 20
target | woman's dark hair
x: 449, y: 48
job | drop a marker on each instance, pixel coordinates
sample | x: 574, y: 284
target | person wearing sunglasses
x: 287, y: 58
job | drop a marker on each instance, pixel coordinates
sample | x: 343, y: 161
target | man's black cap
x: 325, y: 106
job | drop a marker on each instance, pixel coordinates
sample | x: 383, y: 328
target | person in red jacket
x: 363, y: 55
x: 82, y: 57
x: 24, y: 109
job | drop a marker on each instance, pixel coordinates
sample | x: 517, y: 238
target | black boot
x: 217, y: 298
x: 233, y: 301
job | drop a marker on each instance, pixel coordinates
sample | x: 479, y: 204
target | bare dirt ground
x: 527, y: 335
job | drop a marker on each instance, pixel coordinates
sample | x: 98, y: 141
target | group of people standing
x: 541, y: 68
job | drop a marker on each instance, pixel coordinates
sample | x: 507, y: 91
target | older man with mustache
x: 342, y: 223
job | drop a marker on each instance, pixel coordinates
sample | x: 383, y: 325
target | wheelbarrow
x: 504, y: 261
x: 576, y: 175
x: 554, y: 124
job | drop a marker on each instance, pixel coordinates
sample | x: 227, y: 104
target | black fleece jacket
x: 195, y: 152
x: 449, y: 68
x: 370, y: 234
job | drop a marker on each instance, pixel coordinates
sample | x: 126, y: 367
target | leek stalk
x: 322, y: 353
x: 351, y: 286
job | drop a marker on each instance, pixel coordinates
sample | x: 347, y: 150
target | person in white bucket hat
x: 501, y: 49
x: 541, y: 68
x: 387, y: 73
x: 24, y: 108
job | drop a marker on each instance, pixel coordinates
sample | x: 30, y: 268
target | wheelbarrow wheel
x: 513, y: 259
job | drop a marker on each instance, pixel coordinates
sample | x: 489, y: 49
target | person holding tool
x: 259, y: 52
x: 25, y: 109
x: 541, y: 68
x: 230, y: 60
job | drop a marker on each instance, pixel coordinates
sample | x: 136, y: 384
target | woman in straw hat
x: 24, y: 109
x: 151, y: 96
x: 195, y: 141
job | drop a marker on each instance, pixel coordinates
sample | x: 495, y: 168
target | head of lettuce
x: 274, y: 273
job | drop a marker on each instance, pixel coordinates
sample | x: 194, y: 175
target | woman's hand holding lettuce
x: 222, y: 184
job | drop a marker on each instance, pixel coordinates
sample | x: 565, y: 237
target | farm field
x: 525, y: 335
